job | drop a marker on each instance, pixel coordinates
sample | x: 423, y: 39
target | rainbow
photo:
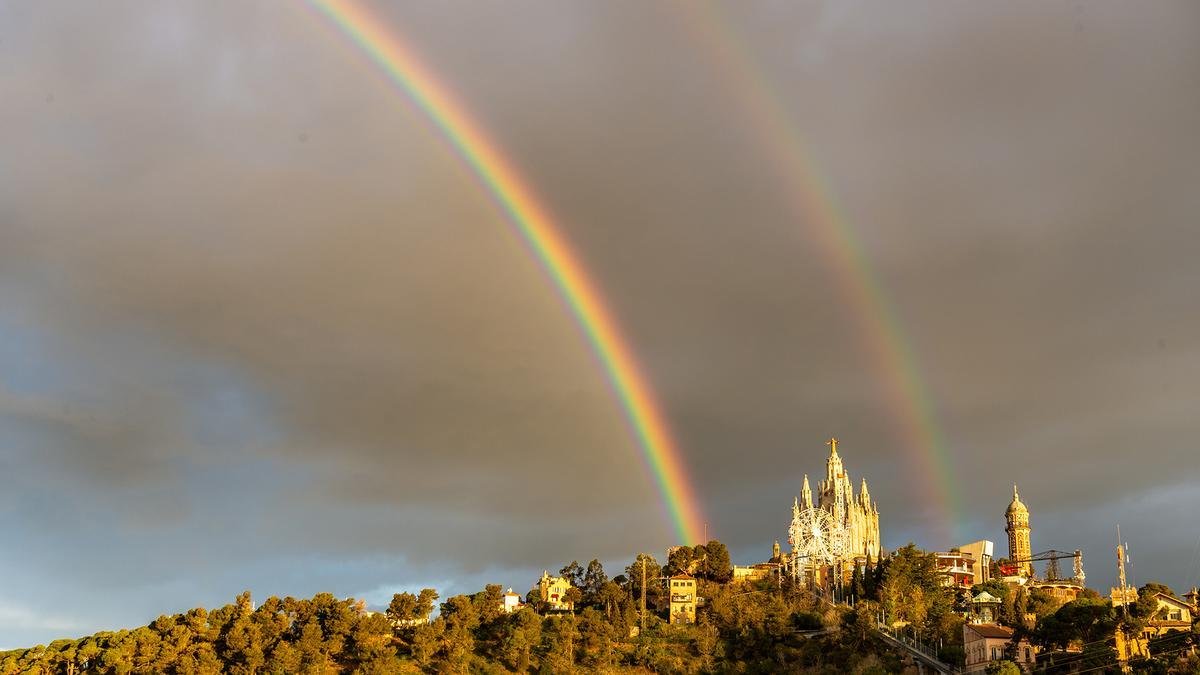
x: 815, y: 204
x: 536, y: 229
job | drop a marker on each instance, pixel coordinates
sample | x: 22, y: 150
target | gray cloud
x: 254, y: 316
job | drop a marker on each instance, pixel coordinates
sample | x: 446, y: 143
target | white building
x: 511, y: 602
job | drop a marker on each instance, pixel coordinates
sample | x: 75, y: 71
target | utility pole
x: 642, y: 617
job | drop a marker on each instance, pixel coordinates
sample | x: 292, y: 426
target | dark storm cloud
x: 253, y: 310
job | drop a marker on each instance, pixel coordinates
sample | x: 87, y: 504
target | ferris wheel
x: 816, y: 537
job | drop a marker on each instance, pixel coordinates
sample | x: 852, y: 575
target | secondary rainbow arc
x: 815, y: 204
x: 532, y: 223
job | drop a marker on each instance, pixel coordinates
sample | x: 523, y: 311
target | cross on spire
x: 832, y: 443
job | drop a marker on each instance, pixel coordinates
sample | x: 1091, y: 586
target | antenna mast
x: 1121, y: 574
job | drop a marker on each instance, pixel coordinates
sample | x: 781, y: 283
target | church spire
x: 834, y: 473
x: 806, y: 493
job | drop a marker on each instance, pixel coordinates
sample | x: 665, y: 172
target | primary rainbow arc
x: 533, y: 224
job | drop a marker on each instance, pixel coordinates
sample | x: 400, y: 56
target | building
x: 857, y: 514
x: 755, y: 572
x: 552, y: 591
x: 1017, y: 517
x: 511, y: 602
x: 981, y: 551
x: 1063, y: 590
x: 683, y: 598
x: 988, y: 642
x: 1170, y: 615
x: 956, y: 569
x: 1122, y: 597
x: 985, y: 608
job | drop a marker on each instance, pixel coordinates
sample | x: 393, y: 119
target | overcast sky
x: 260, y: 329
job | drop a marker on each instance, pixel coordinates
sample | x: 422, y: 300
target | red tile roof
x: 991, y: 630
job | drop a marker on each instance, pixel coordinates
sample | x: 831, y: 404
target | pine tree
x: 856, y: 583
x: 593, y: 580
x: 717, y: 566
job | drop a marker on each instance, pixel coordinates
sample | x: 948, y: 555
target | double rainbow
x: 533, y: 224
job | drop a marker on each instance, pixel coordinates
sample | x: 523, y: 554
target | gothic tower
x: 1017, y: 516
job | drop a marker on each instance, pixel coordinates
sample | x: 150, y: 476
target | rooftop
x: 991, y: 630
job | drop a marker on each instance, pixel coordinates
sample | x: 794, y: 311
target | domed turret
x: 1017, y: 518
x: 1017, y: 506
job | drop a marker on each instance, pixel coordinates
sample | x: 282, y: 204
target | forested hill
x: 767, y: 626
x: 753, y: 631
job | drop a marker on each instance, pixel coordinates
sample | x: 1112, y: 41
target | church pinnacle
x: 851, y: 510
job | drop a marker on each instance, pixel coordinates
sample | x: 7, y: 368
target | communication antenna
x: 1121, y: 556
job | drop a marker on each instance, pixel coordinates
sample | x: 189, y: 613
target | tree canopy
x: 753, y: 627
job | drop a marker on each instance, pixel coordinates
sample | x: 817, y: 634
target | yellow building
x: 755, y: 572
x: 1017, y: 517
x: 553, y: 592
x: 1171, y: 613
x: 1063, y: 590
x: 683, y: 598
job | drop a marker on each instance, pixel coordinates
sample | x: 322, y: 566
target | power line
x: 1109, y: 665
x: 1066, y: 661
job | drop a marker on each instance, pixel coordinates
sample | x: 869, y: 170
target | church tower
x: 856, y: 513
x: 1017, y: 516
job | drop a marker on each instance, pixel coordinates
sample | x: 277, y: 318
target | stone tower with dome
x: 1017, y: 517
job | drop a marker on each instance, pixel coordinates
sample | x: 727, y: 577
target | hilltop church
x: 857, y: 514
x: 852, y: 518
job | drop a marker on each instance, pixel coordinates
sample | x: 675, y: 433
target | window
x: 1027, y: 658
x: 994, y: 653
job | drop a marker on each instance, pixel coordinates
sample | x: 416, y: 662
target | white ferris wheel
x: 816, y: 538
